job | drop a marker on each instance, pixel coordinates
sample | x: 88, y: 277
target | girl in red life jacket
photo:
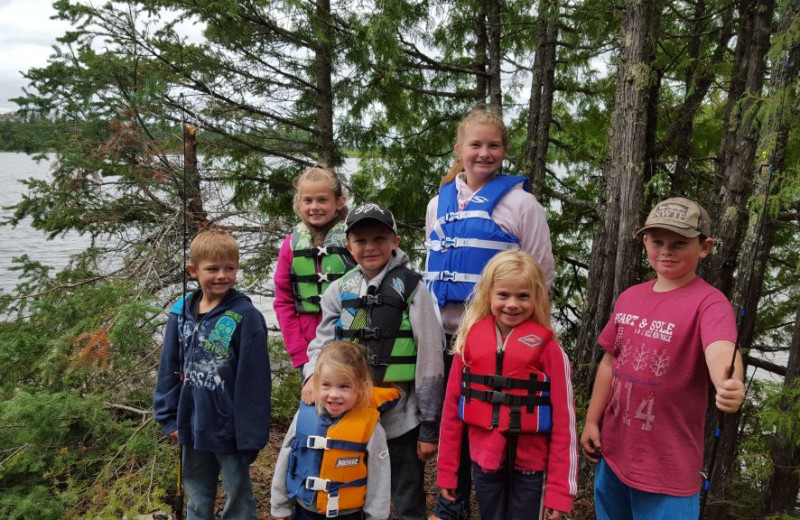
x: 334, y: 462
x: 510, y: 387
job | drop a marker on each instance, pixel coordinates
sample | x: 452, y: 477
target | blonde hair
x: 476, y: 117
x: 348, y: 360
x: 508, y: 265
x: 213, y: 244
x: 319, y: 172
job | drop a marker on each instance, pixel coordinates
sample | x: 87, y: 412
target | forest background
x: 611, y: 106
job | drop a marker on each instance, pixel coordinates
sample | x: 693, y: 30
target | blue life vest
x: 462, y: 242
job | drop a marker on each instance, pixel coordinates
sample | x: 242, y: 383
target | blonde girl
x: 339, y: 439
x: 510, y: 389
x: 311, y: 256
x: 477, y: 213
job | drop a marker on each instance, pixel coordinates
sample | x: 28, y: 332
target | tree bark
x: 540, y: 106
x: 481, y: 60
x: 323, y: 65
x: 494, y: 33
x: 615, y: 253
x: 196, y: 216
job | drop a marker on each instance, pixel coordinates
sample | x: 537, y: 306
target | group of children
x: 460, y: 361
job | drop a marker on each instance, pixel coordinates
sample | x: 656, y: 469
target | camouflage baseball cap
x: 683, y: 216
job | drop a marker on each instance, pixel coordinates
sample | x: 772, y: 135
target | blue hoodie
x: 223, y: 405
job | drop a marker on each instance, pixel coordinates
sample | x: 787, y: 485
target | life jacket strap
x: 370, y: 333
x: 493, y: 397
x: 377, y: 360
x: 329, y: 486
x: 446, y: 243
x: 315, y: 278
x: 369, y: 300
x: 503, y: 382
x: 316, y: 442
x: 314, y: 252
x: 451, y: 276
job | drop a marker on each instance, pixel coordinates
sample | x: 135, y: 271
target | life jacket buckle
x: 322, y: 277
x: 452, y: 216
x: 375, y: 360
x: 372, y: 299
x: 370, y: 333
x: 315, y: 442
x: 449, y: 276
x: 498, y: 398
x: 332, y: 511
x: 316, y: 484
x: 322, y: 251
x: 448, y: 242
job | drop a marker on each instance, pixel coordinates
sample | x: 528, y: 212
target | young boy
x: 213, y: 389
x: 386, y: 307
x: 664, y: 340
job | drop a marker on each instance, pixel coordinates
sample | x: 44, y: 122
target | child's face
x: 337, y: 393
x: 216, y: 277
x: 674, y: 257
x: 317, y: 202
x: 371, y: 247
x: 511, y: 304
x: 481, y: 151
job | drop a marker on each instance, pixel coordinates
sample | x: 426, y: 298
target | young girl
x: 311, y: 256
x: 477, y: 214
x: 334, y: 461
x: 510, y: 388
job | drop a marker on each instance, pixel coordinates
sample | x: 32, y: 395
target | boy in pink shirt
x: 664, y: 340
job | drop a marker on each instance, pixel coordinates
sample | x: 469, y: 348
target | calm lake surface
x: 23, y: 239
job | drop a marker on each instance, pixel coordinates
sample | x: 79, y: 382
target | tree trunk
x: 732, y: 186
x: 735, y: 160
x: 481, y: 46
x: 323, y: 65
x: 196, y: 216
x: 615, y: 253
x: 494, y: 33
x: 540, y: 107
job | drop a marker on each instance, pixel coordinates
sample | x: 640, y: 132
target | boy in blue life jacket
x: 213, y: 388
x: 386, y: 307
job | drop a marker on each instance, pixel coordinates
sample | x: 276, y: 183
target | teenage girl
x: 510, y: 388
x: 311, y: 256
x: 334, y: 461
x: 478, y: 213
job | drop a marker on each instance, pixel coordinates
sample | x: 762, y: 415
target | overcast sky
x: 26, y: 36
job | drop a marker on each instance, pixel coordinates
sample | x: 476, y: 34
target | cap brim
x: 688, y: 233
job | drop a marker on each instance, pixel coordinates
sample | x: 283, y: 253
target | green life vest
x: 314, y: 268
x: 379, y: 320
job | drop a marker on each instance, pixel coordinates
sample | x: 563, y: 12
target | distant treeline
x: 29, y: 136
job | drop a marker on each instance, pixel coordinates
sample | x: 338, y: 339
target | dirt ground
x: 261, y: 474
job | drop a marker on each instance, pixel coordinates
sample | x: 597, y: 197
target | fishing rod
x: 708, y: 469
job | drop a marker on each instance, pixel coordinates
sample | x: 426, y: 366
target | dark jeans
x: 491, y: 489
x: 201, y: 470
x: 408, y: 476
x: 460, y: 508
x: 304, y: 514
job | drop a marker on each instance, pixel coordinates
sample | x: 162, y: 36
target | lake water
x: 23, y: 239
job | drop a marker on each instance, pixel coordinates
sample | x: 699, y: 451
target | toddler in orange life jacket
x: 311, y: 256
x: 510, y: 387
x: 334, y: 461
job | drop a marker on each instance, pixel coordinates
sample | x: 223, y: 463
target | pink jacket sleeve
x: 562, y: 457
x: 283, y: 304
x: 452, y: 430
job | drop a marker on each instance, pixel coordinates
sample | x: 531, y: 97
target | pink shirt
x: 518, y: 213
x: 297, y: 329
x: 653, y: 427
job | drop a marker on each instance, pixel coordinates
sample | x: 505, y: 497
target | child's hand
x: 426, y: 450
x: 448, y: 494
x: 730, y: 395
x: 307, y: 394
x: 173, y: 435
x: 552, y: 514
x: 590, y: 442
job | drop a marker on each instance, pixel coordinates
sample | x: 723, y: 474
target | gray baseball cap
x: 370, y: 212
x: 683, y: 216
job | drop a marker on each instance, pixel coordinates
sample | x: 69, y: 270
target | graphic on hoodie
x: 206, y: 365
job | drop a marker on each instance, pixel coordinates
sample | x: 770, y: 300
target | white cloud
x: 26, y: 36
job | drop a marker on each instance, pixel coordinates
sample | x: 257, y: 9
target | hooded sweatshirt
x: 223, y: 403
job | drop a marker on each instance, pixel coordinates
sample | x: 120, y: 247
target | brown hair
x: 213, y: 244
x: 508, y: 265
x: 319, y: 172
x: 348, y: 360
x: 476, y: 117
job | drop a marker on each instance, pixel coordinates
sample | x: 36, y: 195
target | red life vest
x: 503, y: 385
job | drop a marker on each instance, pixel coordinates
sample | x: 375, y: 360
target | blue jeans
x: 615, y: 500
x: 301, y: 513
x: 460, y: 508
x: 201, y: 470
x: 408, y: 476
x: 491, y: 489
